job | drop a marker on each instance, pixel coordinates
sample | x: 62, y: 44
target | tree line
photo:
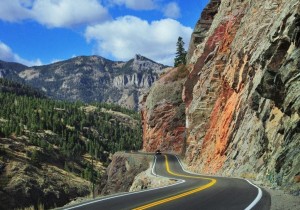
x: 78, y: 130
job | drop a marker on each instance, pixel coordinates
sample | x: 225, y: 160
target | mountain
x: 241, y: 95
x: 91, y: 78
x: 10, y: 70
x: 7, y: 67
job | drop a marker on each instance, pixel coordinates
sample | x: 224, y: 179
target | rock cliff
x: 242, y: 101
x: 163, y: 115
x: 121, y: 172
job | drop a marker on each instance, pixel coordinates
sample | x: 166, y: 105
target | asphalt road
x: 190, y: 192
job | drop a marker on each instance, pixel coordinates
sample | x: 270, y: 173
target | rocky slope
x: 242, y: 92
x: 25, y: 183
x: 123, y: 165
x: 90, y: 78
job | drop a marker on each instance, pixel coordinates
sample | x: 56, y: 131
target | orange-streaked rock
x: 241, y: 94
x: 163, y: 114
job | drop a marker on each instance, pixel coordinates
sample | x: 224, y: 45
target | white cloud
x: 59, y: 13
x: 54, y: 13
x: 13, y: 11
x: 135, y: 4
x: 128, y: 35
x: 6, y: 54
x: 172, y: 10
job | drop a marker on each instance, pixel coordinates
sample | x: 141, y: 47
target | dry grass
x: 19, y: 171
x: 89, y: 108
x: 39, y: 207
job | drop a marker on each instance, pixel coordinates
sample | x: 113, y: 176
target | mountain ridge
x: 90, y: 78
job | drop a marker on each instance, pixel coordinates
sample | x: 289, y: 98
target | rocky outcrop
x: 122, y: 165
x: 90, y: 78
x: 147, y: 180
x: 163, y: 115
x: 129, y: 172
x: 242, y: 92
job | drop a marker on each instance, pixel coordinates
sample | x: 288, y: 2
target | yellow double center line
x: 211, y: 183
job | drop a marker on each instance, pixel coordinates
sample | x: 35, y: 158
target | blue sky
x: 37, y: 32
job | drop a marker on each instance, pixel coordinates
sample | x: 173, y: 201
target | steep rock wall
x: 242, y: 94
x: 163, y: 113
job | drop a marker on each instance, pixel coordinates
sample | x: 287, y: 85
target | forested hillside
x: 77, y: 126
x: 77, y: 139
x: 8, y: 86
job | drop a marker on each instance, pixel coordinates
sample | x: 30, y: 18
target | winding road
x: 192, y: 191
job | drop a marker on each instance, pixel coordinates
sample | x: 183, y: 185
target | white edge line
x: 258, y: 197
x: 251, y: 205
x: 153, y: 166
x: 179, y: 181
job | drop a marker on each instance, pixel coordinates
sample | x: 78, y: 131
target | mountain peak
x: 140, y: 57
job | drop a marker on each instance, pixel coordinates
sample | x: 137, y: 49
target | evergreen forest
x: 72, y: 129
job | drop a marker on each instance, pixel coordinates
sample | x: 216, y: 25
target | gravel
x: 281, y: 200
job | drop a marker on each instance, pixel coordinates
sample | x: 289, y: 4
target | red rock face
x: 161, y: 136
x: 163, y: 116
x: 239, y: 91
x: 216, y: 139
x: 216, y: 130
x: 196, y: 69
x: 241, y: 94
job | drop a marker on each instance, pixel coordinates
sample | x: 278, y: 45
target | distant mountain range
x: 89, y: 78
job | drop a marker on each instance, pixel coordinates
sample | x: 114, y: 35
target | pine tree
x: 180, y: 53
